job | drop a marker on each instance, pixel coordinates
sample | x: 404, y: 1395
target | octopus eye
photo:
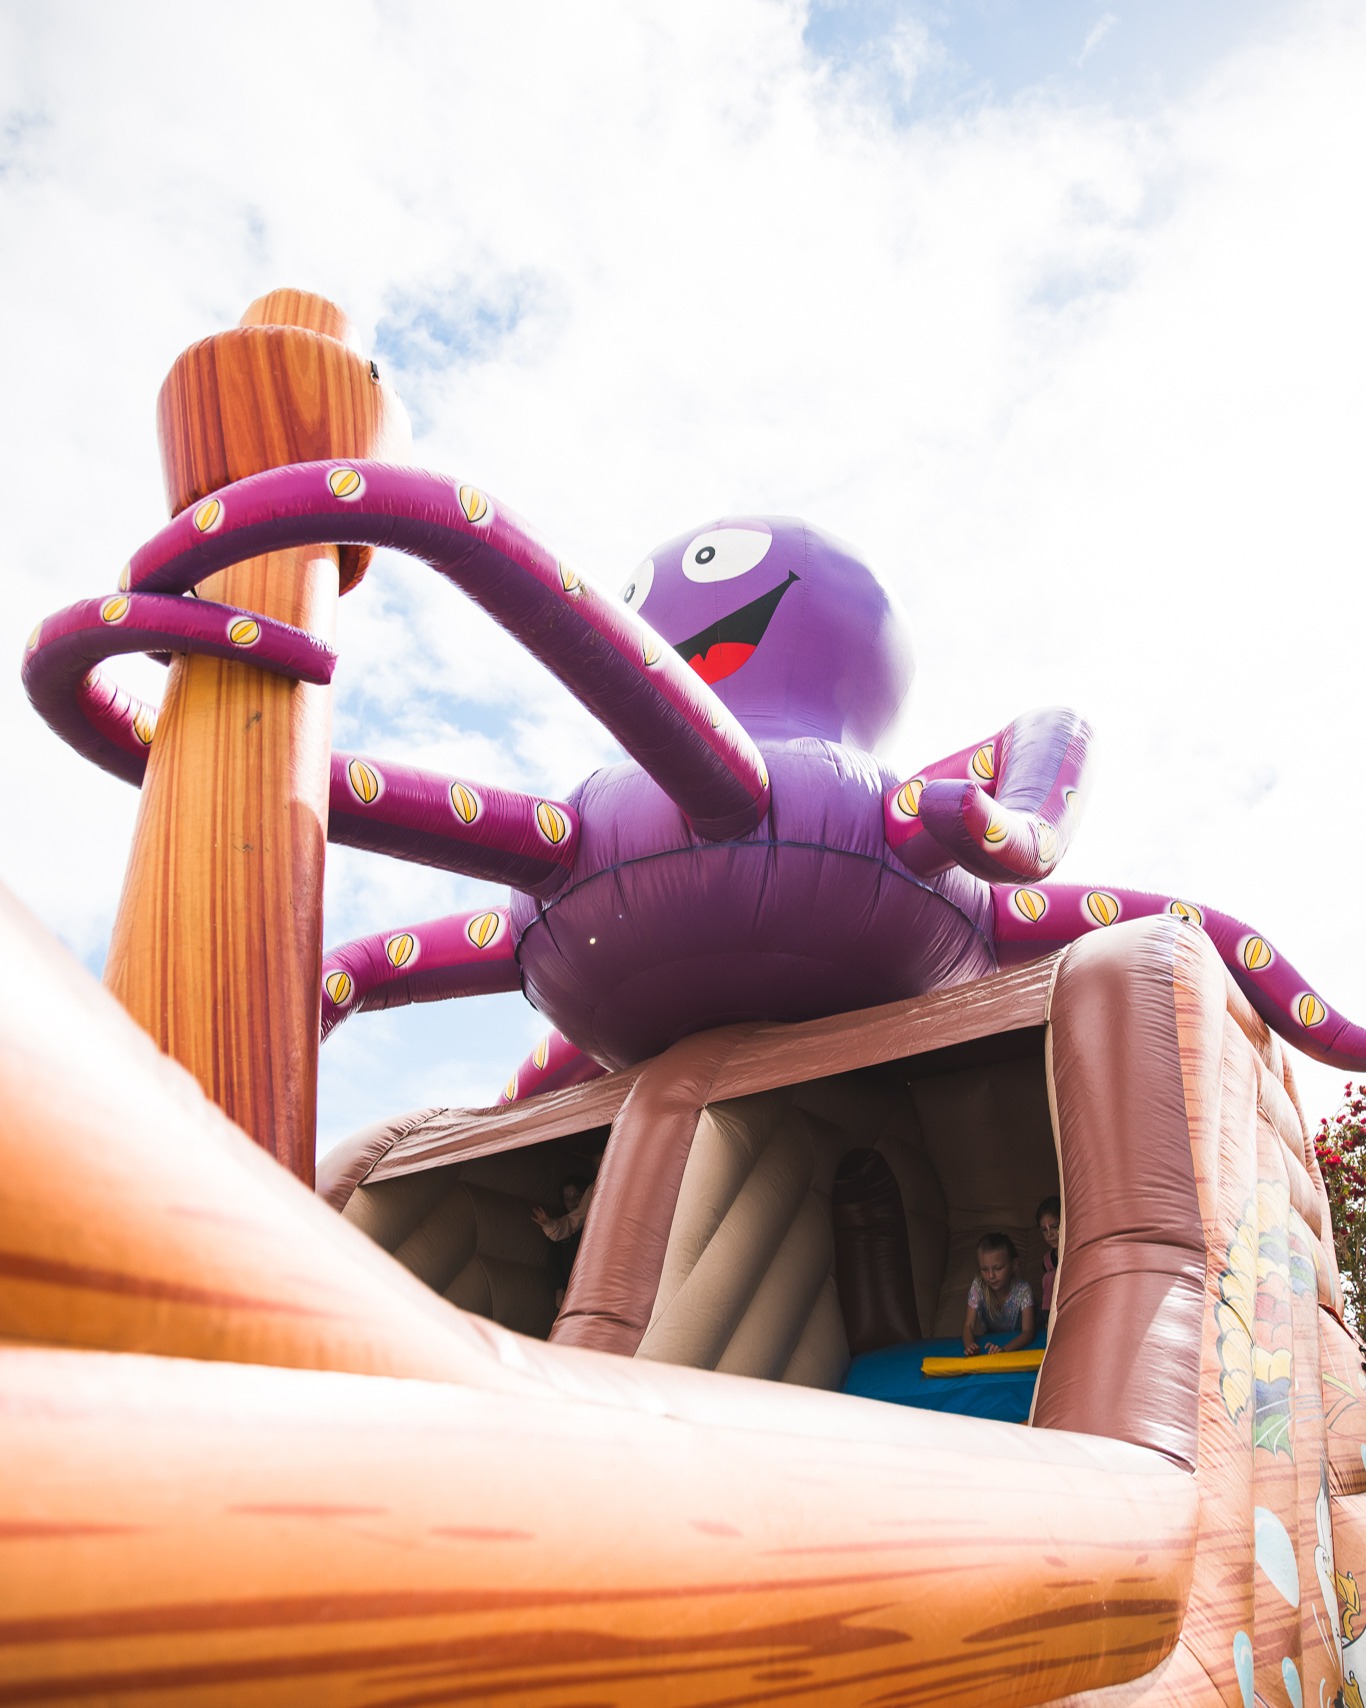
x: 633, y: 594
x: 723, y: 553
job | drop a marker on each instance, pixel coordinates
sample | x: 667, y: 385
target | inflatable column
x: 217, y: 948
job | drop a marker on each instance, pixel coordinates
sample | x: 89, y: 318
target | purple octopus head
x: 793, y: 631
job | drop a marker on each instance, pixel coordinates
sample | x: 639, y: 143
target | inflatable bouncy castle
x: 824, y: 1023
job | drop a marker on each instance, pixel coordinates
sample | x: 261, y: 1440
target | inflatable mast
x: 217, y: 948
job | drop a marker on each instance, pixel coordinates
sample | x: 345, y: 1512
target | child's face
x: 1049, y: 1224
x: 994, y: 1267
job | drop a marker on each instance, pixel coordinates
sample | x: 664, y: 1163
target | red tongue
x: 723, y: 659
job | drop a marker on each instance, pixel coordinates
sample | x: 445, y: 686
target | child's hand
x: 991, y: 1348
x: 970, y: 1347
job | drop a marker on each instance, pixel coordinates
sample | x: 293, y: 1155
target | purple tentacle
x: 112, y: 727
x: 660, y: 711
x: 1032, y: 922
x: 452, y: 823
x: 554, y: 1064
x: 462, y: 954
x: 1005, y: 809
x: 415, y: 815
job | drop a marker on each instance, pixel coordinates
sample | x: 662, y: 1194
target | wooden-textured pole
x: 217, y: 948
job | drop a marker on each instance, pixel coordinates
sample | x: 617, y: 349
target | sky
x: 1054, y: 311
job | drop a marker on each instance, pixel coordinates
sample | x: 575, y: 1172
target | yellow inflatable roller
x: 996, y: 1364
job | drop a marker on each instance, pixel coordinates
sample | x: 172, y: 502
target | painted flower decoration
x: 1254, y: 1318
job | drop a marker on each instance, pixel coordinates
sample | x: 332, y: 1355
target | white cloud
x: 1096, y: 35
x: 1085, y: 385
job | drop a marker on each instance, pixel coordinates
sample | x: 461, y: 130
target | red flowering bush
x: 1340, y: 1146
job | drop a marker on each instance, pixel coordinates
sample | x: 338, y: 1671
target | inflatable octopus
x: 752, y: 858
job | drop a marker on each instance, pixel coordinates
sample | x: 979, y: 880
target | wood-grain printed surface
x: 217, y: 948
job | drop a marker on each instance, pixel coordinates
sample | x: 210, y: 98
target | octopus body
x: 754, y: 857
x: 658, y: 934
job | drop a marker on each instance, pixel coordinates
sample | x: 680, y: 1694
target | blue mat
x: 893, y: 1374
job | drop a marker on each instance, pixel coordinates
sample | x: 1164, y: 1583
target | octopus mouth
x: 720, y: 649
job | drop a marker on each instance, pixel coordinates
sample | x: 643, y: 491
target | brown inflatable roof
x: 734, y: 1061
